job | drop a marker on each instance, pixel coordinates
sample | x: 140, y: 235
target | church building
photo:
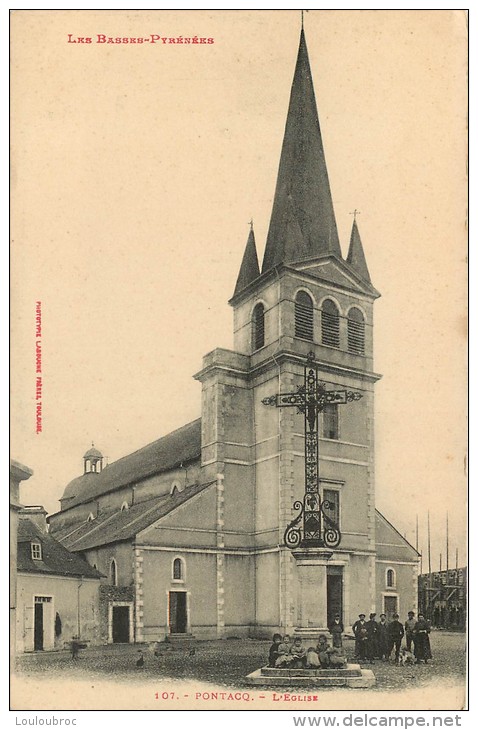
x: 260, y: 515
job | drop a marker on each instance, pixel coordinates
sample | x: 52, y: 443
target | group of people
x: 293, y: 655
x: 373, y: 640
x: 383, y: 639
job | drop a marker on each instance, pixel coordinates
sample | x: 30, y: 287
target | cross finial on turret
x: 355, y: 213
x: 251, y: 223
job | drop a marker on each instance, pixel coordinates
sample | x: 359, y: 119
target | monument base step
x: 311, y: 632
x: 352, y: 675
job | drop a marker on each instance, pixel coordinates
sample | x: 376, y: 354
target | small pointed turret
x: 250, y: 264
x: 356, y: 257
x: 303, y: 221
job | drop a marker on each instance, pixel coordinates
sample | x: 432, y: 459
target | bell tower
x: 305, y: 300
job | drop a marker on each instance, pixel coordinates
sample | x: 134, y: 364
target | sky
x: 135, y: 171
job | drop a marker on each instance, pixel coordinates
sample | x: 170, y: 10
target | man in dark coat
x: 360, y: 632
x: 383, y: 641
x: 372, y: 627
x: 395, y: 634
x: 336, y: 628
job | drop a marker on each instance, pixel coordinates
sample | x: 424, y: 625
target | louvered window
x: 330, y: 324
x: 356, y: 332
x: 330, y: 421
x: 258, y: 329
x: 304, y: 316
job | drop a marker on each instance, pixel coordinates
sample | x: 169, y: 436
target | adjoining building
x: 18, y: 474
x: 442, y: 597
x: 190, y: 528
x: 57, y: 591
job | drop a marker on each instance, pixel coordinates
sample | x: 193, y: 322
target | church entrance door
x: 177, y: 612
x: 120, y: 624
x: 390, y: 605
x: 334, y: 596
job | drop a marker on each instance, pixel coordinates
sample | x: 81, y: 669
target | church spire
x: 303, y: 221
x: 250, y: 264
x: 356, y: 255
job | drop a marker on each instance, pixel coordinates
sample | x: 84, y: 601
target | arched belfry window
x: 355, y: 331
x: 258, y: 329
x: 178, y: 569
x: 330, y: 324
x: 304, y: 316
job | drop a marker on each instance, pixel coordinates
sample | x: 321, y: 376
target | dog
x: 405, y: 658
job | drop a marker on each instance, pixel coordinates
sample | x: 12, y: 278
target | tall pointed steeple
x: 356, y: 255
x: 250, y: 264
x: 303, y: 221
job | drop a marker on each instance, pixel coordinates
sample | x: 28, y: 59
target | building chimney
x: 37, y: 515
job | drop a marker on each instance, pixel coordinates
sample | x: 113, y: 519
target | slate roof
x: 249, y: 270
x: 356, y: 256
x: 93, y: 453
x: 389, y: 543
x: 177, y: 447
x: 56, y: 559
x: 303, y: 221
x: 116, y: 526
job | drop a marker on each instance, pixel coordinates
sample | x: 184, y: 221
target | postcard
x: 239, y: 385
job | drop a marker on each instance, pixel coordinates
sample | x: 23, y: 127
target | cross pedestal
x: 312, y: 604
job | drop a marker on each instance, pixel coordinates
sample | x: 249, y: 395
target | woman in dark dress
x: 421, y: 639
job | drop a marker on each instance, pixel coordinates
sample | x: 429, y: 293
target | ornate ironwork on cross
x: 318, y: 529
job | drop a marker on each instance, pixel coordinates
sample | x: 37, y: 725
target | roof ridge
x: 395, y: 529
x: 170, y: 433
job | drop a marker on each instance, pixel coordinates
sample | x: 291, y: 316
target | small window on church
x: 330, y: 421
x: 90, y: 517
x: 390, y: 578
x: 332, y: 505
x: 124, y: 506
x: 258, y: 329
x: 330, y: 324
x: 36, y: 551
x: 113, y: 573
x: 355, y: 332
x: 304, y: 316
x: 178, y: 573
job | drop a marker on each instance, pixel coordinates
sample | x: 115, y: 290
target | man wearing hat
x: 360, y: 632
x: 372, y: 627
x: 336, y: 628
x: 383, y: 640
x: 395, y: 633
x: 409, y: 628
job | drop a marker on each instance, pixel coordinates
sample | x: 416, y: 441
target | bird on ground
x: 192, y: 651
x: 140, y: 661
